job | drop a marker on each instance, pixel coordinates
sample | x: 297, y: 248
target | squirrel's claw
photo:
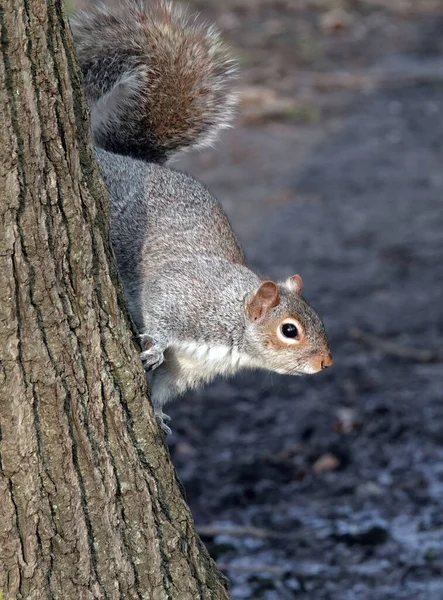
x: 151, y: 356
x: 151, y: 360
x: 161, y: 418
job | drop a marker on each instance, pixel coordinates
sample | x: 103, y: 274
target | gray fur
x: 186, y: 282
x: 200, y: 310
x: 150, y: 60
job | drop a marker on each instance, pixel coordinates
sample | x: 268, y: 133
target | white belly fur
x: 196, y: 363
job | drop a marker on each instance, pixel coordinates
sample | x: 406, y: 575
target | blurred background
x: 331, y: 487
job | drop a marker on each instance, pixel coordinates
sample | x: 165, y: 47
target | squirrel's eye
x: 289, y: 330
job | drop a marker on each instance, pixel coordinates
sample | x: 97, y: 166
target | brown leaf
x: 326, y: 462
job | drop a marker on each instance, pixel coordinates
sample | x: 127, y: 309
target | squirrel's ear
x: 265, y: 297
x: 295, y: 284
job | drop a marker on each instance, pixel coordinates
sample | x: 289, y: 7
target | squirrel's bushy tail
x: 155, y: 79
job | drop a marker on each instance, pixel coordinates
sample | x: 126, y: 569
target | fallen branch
x: 251, y: 568
x: 397, y: 350
x: 241, y: 531
x: 374, y: 79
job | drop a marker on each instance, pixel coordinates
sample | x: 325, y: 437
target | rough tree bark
x: 90, y: 506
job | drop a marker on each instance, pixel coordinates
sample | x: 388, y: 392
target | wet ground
x: 330, y: 487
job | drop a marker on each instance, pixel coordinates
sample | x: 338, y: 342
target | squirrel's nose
x: 326, y: 361
x: 321, y: 361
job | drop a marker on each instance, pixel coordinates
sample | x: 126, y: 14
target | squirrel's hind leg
x: 164, y: 387
x: 162, y: 419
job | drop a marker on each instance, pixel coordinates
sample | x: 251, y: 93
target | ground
x: 330, y: 487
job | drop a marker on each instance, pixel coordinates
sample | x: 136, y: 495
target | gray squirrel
x: 158, y: 82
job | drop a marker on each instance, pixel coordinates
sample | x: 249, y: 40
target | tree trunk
x: 90, y: 506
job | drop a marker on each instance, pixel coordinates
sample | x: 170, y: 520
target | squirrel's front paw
x: 151, y: 356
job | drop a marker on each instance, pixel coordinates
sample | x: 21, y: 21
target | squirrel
x: 158, y: 82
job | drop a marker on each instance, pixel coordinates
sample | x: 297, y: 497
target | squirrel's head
x: 283, y: 331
